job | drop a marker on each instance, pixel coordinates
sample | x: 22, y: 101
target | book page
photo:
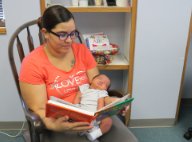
x: 116, y: 102
x: 62, y: 101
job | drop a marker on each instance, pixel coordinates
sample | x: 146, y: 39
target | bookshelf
x: 121, y: 62
x: 99, y: 9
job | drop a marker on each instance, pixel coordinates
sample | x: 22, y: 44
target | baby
x: 91, y: 97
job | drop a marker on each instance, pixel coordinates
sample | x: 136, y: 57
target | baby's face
x: 101, y: 82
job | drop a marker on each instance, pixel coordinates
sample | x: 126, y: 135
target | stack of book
x: 97, y: 41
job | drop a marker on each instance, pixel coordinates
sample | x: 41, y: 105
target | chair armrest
x: 117, y: 93
x: 35, y: 120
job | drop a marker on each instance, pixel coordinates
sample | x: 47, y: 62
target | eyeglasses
x: 64, y: 36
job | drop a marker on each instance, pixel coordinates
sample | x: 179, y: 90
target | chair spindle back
x: 15, y: 36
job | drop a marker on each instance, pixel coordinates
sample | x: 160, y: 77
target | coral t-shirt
x: 37, y: 69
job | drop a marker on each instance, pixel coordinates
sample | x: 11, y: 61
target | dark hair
x: 105, y: 75
x: 53, y: 16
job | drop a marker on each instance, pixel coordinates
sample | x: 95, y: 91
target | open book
x: 56, y: 108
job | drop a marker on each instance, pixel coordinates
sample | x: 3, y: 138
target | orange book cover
x: 55, y: 111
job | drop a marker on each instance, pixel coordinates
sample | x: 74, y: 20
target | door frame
x: 184, y: 69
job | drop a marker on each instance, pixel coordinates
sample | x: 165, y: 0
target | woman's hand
x: 62, y: 124
x: 109, y: 100
x: 36, y: 97
x: 124, y: 111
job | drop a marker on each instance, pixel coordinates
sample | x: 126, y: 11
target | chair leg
x: 26, y: 135
x: 188, y: 134
x: 34, y: 137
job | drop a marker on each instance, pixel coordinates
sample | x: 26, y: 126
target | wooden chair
x: 35, y: 125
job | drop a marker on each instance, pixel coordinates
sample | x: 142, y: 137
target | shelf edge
x: 99, y: 9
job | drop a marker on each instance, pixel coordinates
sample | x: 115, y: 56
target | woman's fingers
x: 109, y: 100
x: 123, y: 111
x: 82, y: 129
x: 80, y: 126
x: 126, y: 108
x: 65, y: 125
x: 63, y: 119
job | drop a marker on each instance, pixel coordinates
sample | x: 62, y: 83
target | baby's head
x: 100, y: 82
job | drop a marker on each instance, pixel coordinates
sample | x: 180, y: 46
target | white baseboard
x: 13, y: 125
x: 133, y: 123
x: 150, y: 123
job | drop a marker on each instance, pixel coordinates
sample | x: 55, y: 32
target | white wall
x: 161, y: 38
x: 162, y: 29
x: 30, y: 10
x: 187, y: 85
x: 16, y: 13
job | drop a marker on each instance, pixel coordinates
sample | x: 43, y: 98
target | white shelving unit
x: 124, y: 59
x: 119, y: 62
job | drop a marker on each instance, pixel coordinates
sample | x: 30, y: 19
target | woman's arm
x: 35, y: 97
x: 109, y: 100
x: 92, y: 73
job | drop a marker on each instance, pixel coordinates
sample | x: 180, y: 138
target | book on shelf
x: 56, y: 108
x: 129, y: 3
x: 52, y: 4
x: 97, y: 41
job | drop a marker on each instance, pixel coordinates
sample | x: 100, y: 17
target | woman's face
x: 53, y: 41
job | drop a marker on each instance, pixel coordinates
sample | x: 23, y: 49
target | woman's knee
x: 117, y: 132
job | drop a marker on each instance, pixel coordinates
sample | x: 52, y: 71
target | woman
x: 57, y: 68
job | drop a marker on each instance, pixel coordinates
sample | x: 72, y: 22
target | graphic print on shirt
x: 65, y: 86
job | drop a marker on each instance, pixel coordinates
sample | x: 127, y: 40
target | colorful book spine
x: 129, y: 3
x: 87, y: 43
